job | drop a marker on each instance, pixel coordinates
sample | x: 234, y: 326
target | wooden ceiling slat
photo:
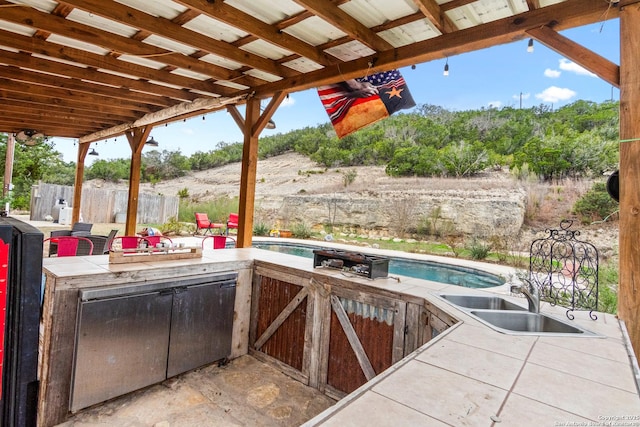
x: 30, y: 108
x: 52, y: 102
x: 115, y: 43
x: 435, y: 15
x: 345, y: 22
x: 153, y: 24
x: 236, y: 18
x: 18, y: 74
x: 78, y: 56
x: 77, y: 97
x: 33, y: 123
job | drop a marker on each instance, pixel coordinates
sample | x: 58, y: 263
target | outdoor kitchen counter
x: 468, y: 375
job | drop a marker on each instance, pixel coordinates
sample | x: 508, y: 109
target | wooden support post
x: 629, y: 280
x: 248, y: 176
x: 8, y: 166
x: 251, y: 127
x: 137, y: 139
x: 83, y: 149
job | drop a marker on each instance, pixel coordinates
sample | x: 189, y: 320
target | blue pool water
x: 427, y: 270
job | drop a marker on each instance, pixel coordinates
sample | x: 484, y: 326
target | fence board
x: 102, y: 205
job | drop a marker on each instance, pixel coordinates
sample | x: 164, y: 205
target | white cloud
x: 555, y: 94
x: 572, y: 67
x: 494, y: 104
x: 188, y: 131
x: 553, y: 74
x: 288, y: 101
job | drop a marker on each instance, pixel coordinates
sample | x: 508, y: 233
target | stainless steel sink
x: 481, y: 302
x: 523, y: 321
x: 510, y: 318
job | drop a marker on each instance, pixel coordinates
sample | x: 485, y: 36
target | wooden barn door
x: 365, y: 337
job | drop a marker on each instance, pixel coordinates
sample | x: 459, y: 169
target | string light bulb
x: 530, y: 46
x: 446, y: 68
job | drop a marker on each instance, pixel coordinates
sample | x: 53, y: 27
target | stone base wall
x: 482, y: 214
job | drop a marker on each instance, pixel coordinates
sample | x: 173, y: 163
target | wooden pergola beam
x: 599, y: 65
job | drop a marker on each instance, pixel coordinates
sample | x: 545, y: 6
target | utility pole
x: 521, y: 100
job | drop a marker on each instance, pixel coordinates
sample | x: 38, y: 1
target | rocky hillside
x: 291, y: 188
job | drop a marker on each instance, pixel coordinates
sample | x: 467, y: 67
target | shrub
x: 184, y: 193
x: 479, y: 250
x: 595, y: 204
x: 173, y: 226
x: 348, y: 177
x: 301, y: 230
x: 260, y: 229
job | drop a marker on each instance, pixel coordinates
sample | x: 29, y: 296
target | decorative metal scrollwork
x: 565, y: 270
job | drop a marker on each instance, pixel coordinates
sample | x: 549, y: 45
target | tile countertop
x: 470, y: 375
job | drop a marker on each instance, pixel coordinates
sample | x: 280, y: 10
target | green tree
x: 109, y: 170
x: 30, y: 165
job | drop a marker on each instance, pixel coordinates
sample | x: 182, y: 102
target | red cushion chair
x: 203, y: 223
x: 232, y: 222
x: 219, y: 242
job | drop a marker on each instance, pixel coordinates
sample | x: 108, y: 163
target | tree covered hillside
x: 577, y: 140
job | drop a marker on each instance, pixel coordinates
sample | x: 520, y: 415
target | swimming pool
x: 427, y: 270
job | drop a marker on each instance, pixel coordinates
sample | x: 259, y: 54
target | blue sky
x: 499, y: 76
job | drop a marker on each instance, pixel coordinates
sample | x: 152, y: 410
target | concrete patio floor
x: 245, y: 392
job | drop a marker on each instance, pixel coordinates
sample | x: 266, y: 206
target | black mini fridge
x: 20, y: 298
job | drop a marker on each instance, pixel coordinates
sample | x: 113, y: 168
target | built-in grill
x: 365, y: 265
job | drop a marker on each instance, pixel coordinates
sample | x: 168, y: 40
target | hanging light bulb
x: 530, y: 46
x: 446, y: 68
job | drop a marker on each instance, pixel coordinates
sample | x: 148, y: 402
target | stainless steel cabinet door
x: 121, y: 346
x: 201, y: 326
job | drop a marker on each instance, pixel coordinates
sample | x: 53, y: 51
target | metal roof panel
x: 98, y: 22
x: 269, y: 11
x: 215, y: 29
x: 351, y: 50
x: 412, y: 32
x: 169, y: 44
x: 165, y: 8
x: 377, y: 12
x: 220, y: 61
x: 77, y: 44
x: 41, y: 5
x: 266, y: 49
x: 315, y: 31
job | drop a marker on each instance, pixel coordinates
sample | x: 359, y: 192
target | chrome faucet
x: 530, y: 291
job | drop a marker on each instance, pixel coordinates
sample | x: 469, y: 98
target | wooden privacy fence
x: 101, y: 205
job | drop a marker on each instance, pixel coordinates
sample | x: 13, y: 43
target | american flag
x: 388, y: 87
x: 336, y: 100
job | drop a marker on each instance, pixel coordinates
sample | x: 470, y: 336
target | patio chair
x: 101, y: 243
x: 203, y: 223
x: 126, y: 242
x: 71, y: 245
x: 232, y: 222
x: 78, y: 229
x: 154, y: 240
x: 219, y: 242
